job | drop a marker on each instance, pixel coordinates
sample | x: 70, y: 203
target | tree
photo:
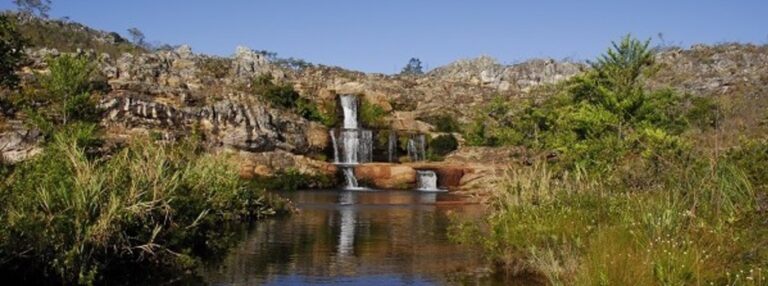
x: 41, y: 7
x: 11, y: 52
x: 69, y: 85
x: 137, y: 37
x: 413, y: 67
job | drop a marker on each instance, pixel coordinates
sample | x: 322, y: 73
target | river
x: 357, y: 238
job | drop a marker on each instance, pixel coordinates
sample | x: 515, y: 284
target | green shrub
x: 441, y: 145
x: 312, y: 112
x: 751, y: 157
x: 69, y: 217
x: 372, y: 115
x: 11, y: 52
x: 68, y: 87
x: 443, y: 123
x: 280, y: 95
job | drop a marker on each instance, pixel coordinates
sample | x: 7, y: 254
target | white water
x: 392, y: 146
x: 366, y: 146
x: 356, y: 143
x: 416, y: 149
x: 349, y: 174
x: 350, y: 146
x: 335, y: 148
x: 349, y: 105
x: 427, y: 181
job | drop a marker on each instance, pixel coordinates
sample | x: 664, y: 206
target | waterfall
x: 349, y: 106
x: 350, y: 146
x: 335, y: 147
x: 355, y: 144
x: 349, y: 174
x: 392, y: 146
x: 427, y: 181
x: 366, y: 146
x: 416, y: 148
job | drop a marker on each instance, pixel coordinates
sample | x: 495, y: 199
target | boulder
x: 19, y: 143
x: 386, y: 175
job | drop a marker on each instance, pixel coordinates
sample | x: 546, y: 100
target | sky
x: 380, y: 36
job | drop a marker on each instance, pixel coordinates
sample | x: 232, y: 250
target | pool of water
x: 357, y: 238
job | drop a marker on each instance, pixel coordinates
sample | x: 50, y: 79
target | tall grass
x: 70, y: 217
x: 696, y: 228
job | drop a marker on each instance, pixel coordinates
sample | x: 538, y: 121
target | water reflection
x: 353, y: 238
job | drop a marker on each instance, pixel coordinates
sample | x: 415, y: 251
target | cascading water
x: 349, y: 106
x: 416, y: 149
x: 335, y: 149
x: 356, y: 143
x: 349, y: 174
x: 392, y: 146
x: 427, y: 181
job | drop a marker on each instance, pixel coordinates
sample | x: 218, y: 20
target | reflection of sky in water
x: 352, y: 238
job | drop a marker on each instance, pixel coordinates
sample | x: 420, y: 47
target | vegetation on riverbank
x: 70, y: 215
x: 624, y: 197
x: 82, y: 211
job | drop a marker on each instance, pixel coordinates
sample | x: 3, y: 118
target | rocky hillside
x: 175, y: 92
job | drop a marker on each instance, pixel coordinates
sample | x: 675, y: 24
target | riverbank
x: 76, y: 213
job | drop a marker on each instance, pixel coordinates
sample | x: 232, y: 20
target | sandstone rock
x: 318, y: 137
x: 19, y: 143
x: 267, y: 163
x: 248, y: 63
x: 386, y: 175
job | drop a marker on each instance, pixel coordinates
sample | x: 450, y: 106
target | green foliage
x: 581, y: 230
x: 444, y: 123
x: 592, y: 120
x: 372, y: 115
x: 68, y: 217
x: 441, y: 146
x: 311, y: 111
x: 68, y: 86
x: 11, y: 52
x: 284, y: 96
x: 280, y: 95
x: 751, y: 157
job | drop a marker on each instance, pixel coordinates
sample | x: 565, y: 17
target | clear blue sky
x: 380, y: 36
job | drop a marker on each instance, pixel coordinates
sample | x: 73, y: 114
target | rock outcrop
x: 18, y: 143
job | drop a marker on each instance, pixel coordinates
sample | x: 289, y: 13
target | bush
x: 282, y: 95
x: 443, y: 123
x: 11, y: 52
x: 68, y: 85
x: 581, y: 230
x: 441, y: 146
x: 70, y: 217
x: 372, y: 115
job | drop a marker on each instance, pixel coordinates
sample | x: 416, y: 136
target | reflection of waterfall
x: 392, y: 146
x: 356, y: 145
x: 427, y: 181
x: 347, y: 233
x: 416, y: 147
